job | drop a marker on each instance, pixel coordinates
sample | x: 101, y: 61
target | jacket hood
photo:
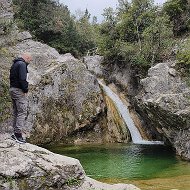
x: 18, y: 59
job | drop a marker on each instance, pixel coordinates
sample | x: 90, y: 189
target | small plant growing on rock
x: 4, y: 101
x: 9, y: 181
x: 72, y: 181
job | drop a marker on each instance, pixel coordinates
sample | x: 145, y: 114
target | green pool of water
x: 146, y: 166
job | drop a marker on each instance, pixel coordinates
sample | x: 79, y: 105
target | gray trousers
x: 19, y: 102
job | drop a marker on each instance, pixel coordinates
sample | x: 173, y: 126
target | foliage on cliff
x: 179, y: 13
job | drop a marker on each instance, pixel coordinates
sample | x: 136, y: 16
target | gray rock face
x: 36, y: 168
x: 27, y: 166
x: 6, y: 19
x: 6, y: 9
x: 122, y: 76
x: 93, y: 64
x: 165, y: 103
x: 21, y: 36
x: 65, y: 100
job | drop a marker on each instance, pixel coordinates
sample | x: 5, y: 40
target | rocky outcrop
x: 93, y: 64
x: 121, y: 75
x: 65, y: 101
x: 28, y: 167
x: 164, y: 104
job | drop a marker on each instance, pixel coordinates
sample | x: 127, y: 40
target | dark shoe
x: 18, y: 138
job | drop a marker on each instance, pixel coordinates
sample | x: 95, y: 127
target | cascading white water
x: 123, y: 109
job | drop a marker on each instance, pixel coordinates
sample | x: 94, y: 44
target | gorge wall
x: 161, y: 101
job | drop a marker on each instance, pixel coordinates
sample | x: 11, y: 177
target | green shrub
x: 183, y: 57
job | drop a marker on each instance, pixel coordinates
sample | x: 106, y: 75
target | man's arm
x: 22, y: 77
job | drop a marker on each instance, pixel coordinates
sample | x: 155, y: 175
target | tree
x: 179, y: 13
x: 94, y: 21
x: 123, y: 6
x: 109, y: 15
x: 85, y: 32
x: 138, y: 34
x: 108, y: 35
x: 157, y: 38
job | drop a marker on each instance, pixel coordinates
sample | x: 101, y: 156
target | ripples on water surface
x: 150, y: 167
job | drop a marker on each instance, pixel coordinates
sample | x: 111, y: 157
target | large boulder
x: 65, y: 101
x: 27, y: 166
x: 164, y: 103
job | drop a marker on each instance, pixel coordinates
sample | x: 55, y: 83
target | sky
x: 95, y: 7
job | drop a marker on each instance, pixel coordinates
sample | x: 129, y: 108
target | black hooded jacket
x: 18, y: 74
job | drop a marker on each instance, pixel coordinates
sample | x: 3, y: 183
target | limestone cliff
x: 164, y: 103
x: 64, y: 99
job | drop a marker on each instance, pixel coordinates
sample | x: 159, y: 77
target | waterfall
x: 123, y: 110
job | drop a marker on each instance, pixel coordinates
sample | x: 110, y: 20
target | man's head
x: 27, y: 57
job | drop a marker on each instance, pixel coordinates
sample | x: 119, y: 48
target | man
x: 18, y: 93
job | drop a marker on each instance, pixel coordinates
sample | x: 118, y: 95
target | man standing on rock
x: 18, y: 93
